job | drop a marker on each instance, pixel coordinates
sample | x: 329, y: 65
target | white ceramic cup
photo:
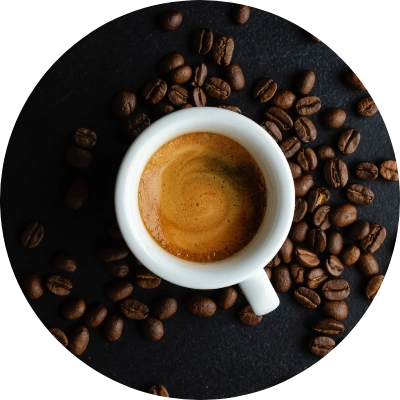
x: 246, y: 267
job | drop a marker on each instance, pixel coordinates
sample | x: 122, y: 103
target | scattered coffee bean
x: 112, y: 327
x: 59, y: 285
x: 118, y: 268
x: 281, y: 280
x: 352, y: 80
x: 114, y: 251
x: 315, y: 38
x: 199, y: 75
x: 200, y: 305
x: 336, y: 173
x: 123, y: 105
x: 335, y: 289
x: 273, y: 131
x: 349, y: 141
x: 134, y: 309
x: 84, y: 137
x: 305, y: 130
x: 230, y: 107
x: 300, y: 209
x: 234, y: 76
x: 367, y: 107
x: 303, y: 185
x: 226, y: 297
x: 78, y: 340
x: 119, y: 290
x: 154, y: 91
x: 333, y: 118
x: 325, y: 152
x: 366, y: 171
x: 145, y: 279
x: 113, y: 231
x: 222, y: 50
x: 165, y: 307
x: 163, y: 108
x: 199, y: 97
x: 248, y: 317
x: 95, y: 315
x: 321, y: 217
x: 159, y: 390
x: 181, y: 74
x: 335, y: 309
x: 279, y: 117
x: 359, y: 230
x: 334, y: 266
x: 32, y: 286
x: 275, y: 261
x: 151, y: 328
x: 306, y: 258
x: 78, y: 158
x: 264, y: 90
x: 305, y: 82
x: 178, y: 95
x: 286, y: 251
x: 170, y: 62
x: 240, y: 13
x: 60, y: 336
x: 135, y: 125
x: 374, y: 239
x: 328, y: 326
x: 298, y: 232
x: 308, y: 105
x: 203, y: 41
x: 76, y: 194
x: 268, y: 271
x: 32, y: 235
x: 321, y: 345
x: 317, y: 197
x: 367, y: 264
x: 307, y: 159
x: 294, y: 168
x: 297, y: 273
x: 290, y: 147
x: 316, y: 240
x: 334, y: 242
x: 315, y: 277
x: 373, y: 286
x: 73, y: 308
x: 217, y: 88
x: 307, y: 297
x: 283, y: 99
x: 359, y: 194
x: 343, y: 215
x: 170, y: 20
x: 388, y: 170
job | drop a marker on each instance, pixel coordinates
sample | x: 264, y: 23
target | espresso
x: 202, y: 197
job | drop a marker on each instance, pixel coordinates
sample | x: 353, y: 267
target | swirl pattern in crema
x: 202, y: 197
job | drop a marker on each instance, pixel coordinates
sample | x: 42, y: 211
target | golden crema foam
x: 202, y: 197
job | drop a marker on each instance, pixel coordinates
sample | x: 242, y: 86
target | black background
x: 32, y: 37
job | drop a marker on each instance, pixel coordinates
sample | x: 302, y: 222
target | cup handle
x: 259, y: 293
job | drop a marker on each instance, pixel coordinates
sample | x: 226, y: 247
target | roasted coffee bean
x: 178, y: 95
x: 275, y: 261
x: 78, y: 340
x: 305, y: 82
x: 234, y: 76
x: 295, y: 169
x: 305, y: 129
x: 118, y: 268
x: 334, y: 266
x: 367, y: 264
x: 217, y: 88
x: 145, y: 279
x: 303, y: 185
x: 73, y: 308
x: 297, y: 273
x: 317, y: 197
x: 203, y: 41
x: 335, y: 289
x: 78, y: 158
x: 199, y: 97
x: 154, y: 91
x: 199, y: 75
x: 76, y: 194
x: 328, y: 326
x: 112, y: 327
x: 349, y: 141
x: 264, y: 90
x: 388, y: 170
x: 335, y: 309
x: 298, y: 232
x: 226, y: 297
x: 307, y: 159
x: 240, y: 13
x: 359, y: 230
x: 60, y: 336
x: 135, y: 125
x: 307, y: 297
x: 170, y: 62
x: 113, y: 231
x: 230, y: 107
x: 114, y: 251
x: 321, y: 217
x: 84, y: 137
x: 222, y: 50
x: 123, y: 105
x: 170, y: 20
x: 300, y: 209
x: 200, y: 305
x: 273, y: 130
x: 32, y: 286
x: 315, y: 277
x: 333, y: 118
x: 359, y: 194
x: 306, y: 258
x: 367, y: 107
x: 367, y: 171
x: 163, y: 108
x: 119, y: 290
x: 316, y: 240
x: 325, y: 152
x: 134, y: 309
x: 59, y: 285
x: 281, y: 280
x: 248, y: 317
x: 353, y: 80
x: 279, y: 117
x: 374, y: 239
x: 159, y: 390
x: 316, y: 39
x: 95, y: 315
x: 321, y: 345
x: 283, y: 99
x: 334, y: 242
x: 268, y: 271
x: 343, y: 215
x: 336, y: 173
x: 187, y: 105
x: 290, y: 146
x: 308, y: 105
x: 180, y: 75
x: 286, y: 251
x: 373, y: 286
x: 165, y: 307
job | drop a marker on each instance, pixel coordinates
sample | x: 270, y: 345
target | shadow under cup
x: 273, y: 229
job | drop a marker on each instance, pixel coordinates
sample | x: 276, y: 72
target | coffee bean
x: 60, y: 336
x: 308, y: 105
x: 335, y: 309
x: 335, y: 289
x: 281, y: 280
x: 297, y: 273
x: 95, y: 315
x: 316, y: 39
x: 367, y: 171
x: 264, y: 90
x: 388, y: 170
x: 334, y: 266
x: 113, y: 231
x: 59, y: 285
x: 286, y: 251
x: 165, y: 307
x: 230, y: 107
x: 303, y: 185
x: 145, y: 279
x: 275, y: 261
x: 279, y: 117
x: 78, y: 340
x: 305, y: 129
x: 217, y: 88
x: 359, y: 230
x: 300, y: 209
x: 328, y: 326
x: 305, y: 82
x: 112, y: 327
x: 199, y: 97
x: 119, y: 290
x: 181, y: 74
x: 222, y: 50
x: 200, y: 305
x: 178, y: 95
x: 170, y: 20
x: 203, y: 41
x: 321, y: 217
x: 76, y: 194
x: 334, y: 242
x: 170, y: 62
x: 234, y: 76
x: 163, y: 108
x: 187, y: 105
x: 283, y: 99
x: 359, y: 194
x: 336, y: 173
x: 268, y: 271
x: 84, y: 137
x: 154, y: 91
x: 317, y: 197
x: 315, y: 277
x: 199, y: 75
x: 367, y: 264
x: 117, y: 268
x: 32, y: 286
x: 298, y: 232
x: 135, y: 125
x: 78, y: 158
x: 73, y: 308
x: 134, y: 309
x: 273, y: 130
x: 333, y: 118
x: 343, y: 215
x: 374, y: 239
x: 325, y: 152
x: 306, y: 258
x: 373, y: 286
x: 114, y: 251
x: 159, y: 390
x: 367, y: 107
x: 349, y: 141
x: 352, y: 80
x: 151, y: 329
x: 123, y: 105
x: 316, y: 240
x: 295, y: 169
x: 290, y: 146
x: 307, y: 297
x: 226, y: 297
x: 248, y: 317
x: 321, y: 345
x: 240, y: 13
x: 307, y: 159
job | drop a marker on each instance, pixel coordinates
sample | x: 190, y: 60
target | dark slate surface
x: 197, y: 358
